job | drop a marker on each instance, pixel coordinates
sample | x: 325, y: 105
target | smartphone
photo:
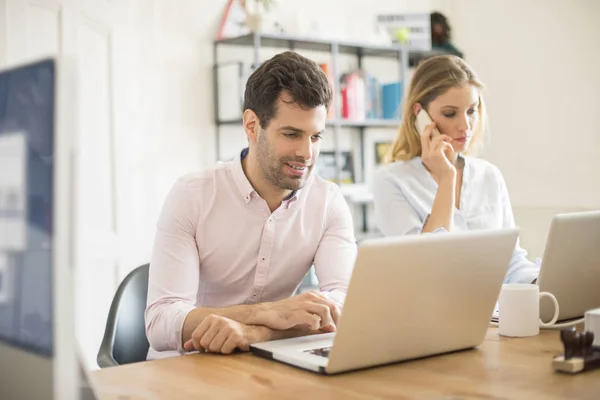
x: 423, y: 119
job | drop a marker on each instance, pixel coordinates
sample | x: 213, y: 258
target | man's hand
x: 310, y: 309
x: 217, y: 334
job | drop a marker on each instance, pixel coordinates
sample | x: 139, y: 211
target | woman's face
x: 455, y: 114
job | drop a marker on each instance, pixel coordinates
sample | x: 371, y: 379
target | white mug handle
x: 555, y: 318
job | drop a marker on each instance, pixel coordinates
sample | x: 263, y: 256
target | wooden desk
x: 501, y: 368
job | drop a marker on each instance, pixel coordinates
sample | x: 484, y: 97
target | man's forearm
x: 311, y: 311
x: 246, y: 314
x: 264, y: 334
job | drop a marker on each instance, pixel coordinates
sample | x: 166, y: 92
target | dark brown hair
x: 291, y: 73
x: 445, y: 35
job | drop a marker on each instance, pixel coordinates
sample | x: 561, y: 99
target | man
x: 234, y: 242
x: 441, y: 35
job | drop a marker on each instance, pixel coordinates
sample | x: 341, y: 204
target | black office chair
x: 125, y: 339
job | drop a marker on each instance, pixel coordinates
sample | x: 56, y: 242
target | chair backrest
x: 125, y: 339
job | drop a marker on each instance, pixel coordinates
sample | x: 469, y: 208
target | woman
x: 430, y: 184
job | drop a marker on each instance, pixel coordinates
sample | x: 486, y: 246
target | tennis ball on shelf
x: 402, y: 35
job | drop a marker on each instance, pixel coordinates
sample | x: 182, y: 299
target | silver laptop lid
x: 415, y: 296
x: 571, y: 265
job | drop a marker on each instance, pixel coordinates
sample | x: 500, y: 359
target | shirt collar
x: 244, y: 185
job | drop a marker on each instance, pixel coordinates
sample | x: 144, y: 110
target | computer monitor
x: 38, y: 354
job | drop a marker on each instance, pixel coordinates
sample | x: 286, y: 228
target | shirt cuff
x: 178, y: 322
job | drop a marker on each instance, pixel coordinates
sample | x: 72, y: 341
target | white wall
x: 135, y: 74
x: 540, y: 62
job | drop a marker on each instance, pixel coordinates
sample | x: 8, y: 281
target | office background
x: 146, y: 108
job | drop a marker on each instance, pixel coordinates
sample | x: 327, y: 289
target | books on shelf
x: 363, y: 97
x: 329, y: 73
x: 360, y: 96
x: 391, y: 95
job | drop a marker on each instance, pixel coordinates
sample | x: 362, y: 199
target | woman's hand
x: 436, y: 154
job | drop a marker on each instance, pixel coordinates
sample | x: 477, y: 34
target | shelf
x: 305, y: 43
x: 344, y: 47
x: 367, y: 123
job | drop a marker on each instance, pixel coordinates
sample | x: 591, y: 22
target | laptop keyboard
x: 323, y: 351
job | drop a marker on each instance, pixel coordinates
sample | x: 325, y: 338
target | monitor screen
x: 27, y: 101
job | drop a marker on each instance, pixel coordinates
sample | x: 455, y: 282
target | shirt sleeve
x: 174, y: 269
x: 520, y: 269
x: 336, y: 253
x: 394, y: 215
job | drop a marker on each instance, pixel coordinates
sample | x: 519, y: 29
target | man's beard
x: 272, y: 168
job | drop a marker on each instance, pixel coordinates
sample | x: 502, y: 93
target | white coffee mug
x: 592, y: 324
x: 519, y: 310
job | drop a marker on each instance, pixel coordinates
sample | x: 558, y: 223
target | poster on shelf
x: 381, y: 149
x: 326, y: 167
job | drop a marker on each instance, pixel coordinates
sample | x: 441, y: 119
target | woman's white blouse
x: 404, y: 192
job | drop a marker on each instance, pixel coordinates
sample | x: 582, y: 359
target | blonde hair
x: 433, y: 77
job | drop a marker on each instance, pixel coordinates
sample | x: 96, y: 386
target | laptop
x: 409, y: 297
x: 570, y: 268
